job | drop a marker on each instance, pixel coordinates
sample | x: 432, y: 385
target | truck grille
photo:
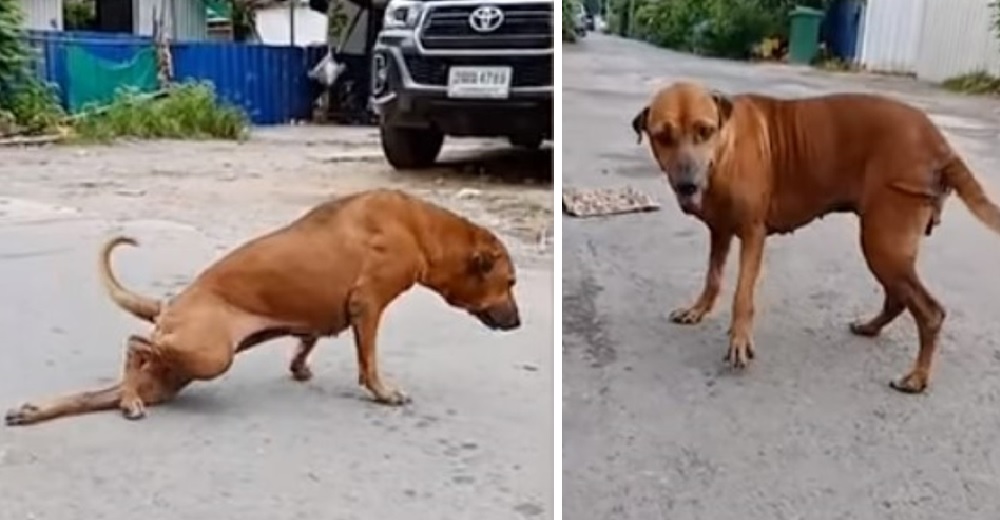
x: 529, y: 71
x: 525, y: 26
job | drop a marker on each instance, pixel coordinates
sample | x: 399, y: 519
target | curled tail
x: 139, y: 306
x: 958, y: 177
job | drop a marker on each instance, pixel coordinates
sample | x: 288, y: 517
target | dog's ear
x: 483, y: 261
x: 725, y: 106
x: 639, y: 123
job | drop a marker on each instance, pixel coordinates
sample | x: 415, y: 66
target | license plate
x: 479, y: 82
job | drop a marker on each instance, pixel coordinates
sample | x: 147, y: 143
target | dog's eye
x: 703, y: 133
x: 511, y: 282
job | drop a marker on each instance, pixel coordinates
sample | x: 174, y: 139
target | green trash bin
x: 803, y: 38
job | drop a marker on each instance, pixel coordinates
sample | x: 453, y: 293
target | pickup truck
x: 462, y: 68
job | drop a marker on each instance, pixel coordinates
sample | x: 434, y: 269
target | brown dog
x: 750, y: 166
x: 337, y: 267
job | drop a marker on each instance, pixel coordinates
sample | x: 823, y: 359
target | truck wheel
x: 410, y: 148
x: 529, y: 142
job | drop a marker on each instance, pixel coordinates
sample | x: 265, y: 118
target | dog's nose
x: 515, y: 323
x: 686, y: 189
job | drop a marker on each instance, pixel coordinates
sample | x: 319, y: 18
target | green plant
x: 724, y: 28
x: 568, y: 32
x: 79, y: 14
x: 29, y: 106
x: 187, y: 111
x: 35, y: 108
x: 978, y: 82
x: 14, y: 55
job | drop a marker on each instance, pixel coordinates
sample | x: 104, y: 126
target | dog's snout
x: 686, y: 188
x: 500, y: 317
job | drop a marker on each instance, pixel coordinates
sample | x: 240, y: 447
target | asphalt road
x: 476, y: 442
x: 655, y: 425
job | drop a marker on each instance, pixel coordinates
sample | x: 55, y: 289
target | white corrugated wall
x: 891, y: 35
x: 42, y: 15
x: 957, y: 38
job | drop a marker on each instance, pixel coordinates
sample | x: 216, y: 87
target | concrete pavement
x: 655, y: 426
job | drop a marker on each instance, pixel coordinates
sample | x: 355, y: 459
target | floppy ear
x: 725, y: 106
x: 639, y: 123
x: 482, y: 261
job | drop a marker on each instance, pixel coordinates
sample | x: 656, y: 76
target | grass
x: 185, y: 111
x: 978, y: 82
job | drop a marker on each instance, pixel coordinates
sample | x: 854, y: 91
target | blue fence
x: 270, y: 83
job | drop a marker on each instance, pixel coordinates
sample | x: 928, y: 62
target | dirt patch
x: 231, y: 191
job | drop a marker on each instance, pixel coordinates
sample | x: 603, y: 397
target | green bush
x: 568, y: 34
x: 187, y: 111
x: 27, y: 105
x: 723, y: 28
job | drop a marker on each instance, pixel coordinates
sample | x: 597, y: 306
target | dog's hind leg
x: 890, y: 239
x: 138, y: 353
x: 299, y: 367
x: 146, y: 379
x: 73, y: 404
x: 891, y: 309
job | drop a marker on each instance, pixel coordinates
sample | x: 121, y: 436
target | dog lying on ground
x: 337, y: 267
x: 751, y: 166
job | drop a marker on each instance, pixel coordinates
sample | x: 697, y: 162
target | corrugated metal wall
x: 957, y: 37
x: 42, y: 15
x: 269, y: 83
x: 892, y: 31
x: 187, y: 20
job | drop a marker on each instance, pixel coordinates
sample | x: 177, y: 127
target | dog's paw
x: 913, y: 383
x: 740, y: 352
x: 864, y: 328
x: 392, y: 397
x: 20, y: 416
x: 133, y: 410
x: 301, y: 373
x: 687, y: 315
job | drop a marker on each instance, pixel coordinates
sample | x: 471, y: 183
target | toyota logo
x: 486, y: 18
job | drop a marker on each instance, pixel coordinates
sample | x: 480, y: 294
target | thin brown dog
x: 750, y: 166
x: 337, y: 267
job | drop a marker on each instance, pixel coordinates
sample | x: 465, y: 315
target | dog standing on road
x: 337, y: 267
x: 750, y: 166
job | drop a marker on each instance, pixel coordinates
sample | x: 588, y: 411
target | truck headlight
x: 402, y: 14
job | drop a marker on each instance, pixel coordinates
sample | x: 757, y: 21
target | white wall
x: 274, y: 25
x: 891, y: 35
x: 956, y: 37
x: 42, y: 15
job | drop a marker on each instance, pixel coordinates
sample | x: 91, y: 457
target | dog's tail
x: 958, y: 176
x: 139, y: 306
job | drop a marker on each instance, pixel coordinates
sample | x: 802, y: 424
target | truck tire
x: 410, y: 148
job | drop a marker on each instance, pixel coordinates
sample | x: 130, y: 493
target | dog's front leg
x: 740, y: 331
x: 366, y: 313
x: 718, y: 253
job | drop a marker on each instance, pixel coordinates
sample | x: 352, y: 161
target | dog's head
x: 684, y: 122
x: 485, y: 288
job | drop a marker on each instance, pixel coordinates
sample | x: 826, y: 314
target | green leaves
x: 28, y: 105
x: 724, y: 28
x: 186, y: 111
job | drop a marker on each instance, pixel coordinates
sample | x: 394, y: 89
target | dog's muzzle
x: 499, y: 317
